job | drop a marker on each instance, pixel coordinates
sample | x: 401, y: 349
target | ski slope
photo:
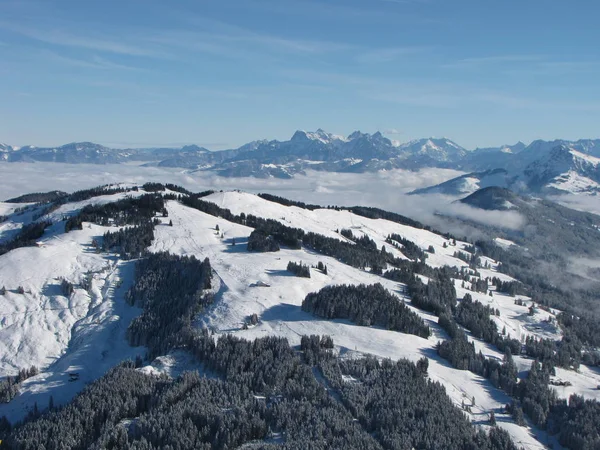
x: 279, y: 306
x: 82, y: 333
x: 327, y: 221
x: 85, y: 333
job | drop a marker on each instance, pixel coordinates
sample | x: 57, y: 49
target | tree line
x: 365, y: 305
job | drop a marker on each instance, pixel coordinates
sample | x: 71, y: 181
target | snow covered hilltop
x: 253, y: 321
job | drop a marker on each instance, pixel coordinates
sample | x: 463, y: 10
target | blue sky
x: 222, y: 73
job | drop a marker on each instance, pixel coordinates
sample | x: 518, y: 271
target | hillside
x: 84, y: 327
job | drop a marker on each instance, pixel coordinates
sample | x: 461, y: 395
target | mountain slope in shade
x: 549, y: 229
x: 493, y: 198
x: 516, y: 148
x: 468, y: 183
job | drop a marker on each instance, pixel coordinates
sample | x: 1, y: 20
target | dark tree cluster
x: 479, y: 285
x: 577, y: 423
x: 131, y: 242
x: 536, y: 397
x: 463, y: 256
x: 437, y: 296
x: 587, y: 329
x: 347, y: 233
x: 475, y: 317
x: 170, y: 290
x: 263, y: 389
x: 259, y: 241
x: 9, y: 387
x: 287, y: 202
x: 259, y: 391
x: 181, y: 190
x: 121, y: 393
x: 366, y: 306
x: 511, y: 288
x: 299, y: 269
x: 28, y: 235
x: 322, y: 267
x: 351, y: 254
x: 314, y: 348
x: 197, y: 194
x: 400, y: 407
x: 566, y: 353
x: 153, y: 187
x: 408, y: 248
x: 86, y: 194
x: 363, y: 241
x: 128, y: 211
x: 38, y: 197
x: 462, y: 355
x: 67, y: 288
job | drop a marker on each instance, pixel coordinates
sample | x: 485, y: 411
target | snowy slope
x: 327, y: 221
x: 85, y: 333
x: 469, y: 183
x: 279, y: 306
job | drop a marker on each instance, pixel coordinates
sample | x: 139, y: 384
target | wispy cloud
x: 95, y: 62
x: 432, y: 93
x: 61, y: 38
x: 482, y: 61
x: 218, y: 94
x: 422, y: 97
x: 222, y: 32
x: 384, y: 55
x: 343, y: 11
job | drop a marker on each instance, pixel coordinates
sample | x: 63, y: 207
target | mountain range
x: 541, y: 167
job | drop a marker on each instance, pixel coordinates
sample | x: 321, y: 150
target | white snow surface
x: 85, y: 333
x: 279, y: 305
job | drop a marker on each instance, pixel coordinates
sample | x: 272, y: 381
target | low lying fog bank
x: 386, y: 190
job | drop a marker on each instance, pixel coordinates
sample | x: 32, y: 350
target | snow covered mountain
x: 564, y: 169
x: 439, y: 150
x: 75, y: 334
x: 542, y: 166
x: 317, y: 150
x: 546, y: 168
x: 515, y: 148
x: 469, y: 183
